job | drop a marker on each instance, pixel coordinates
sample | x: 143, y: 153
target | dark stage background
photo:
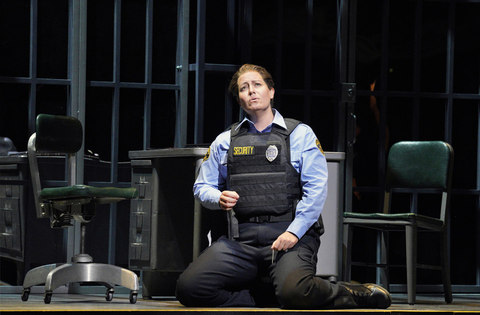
x: 416, y: 65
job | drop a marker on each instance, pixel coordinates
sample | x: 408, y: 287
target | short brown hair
x: 267, y: 77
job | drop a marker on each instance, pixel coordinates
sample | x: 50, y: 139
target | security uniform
x: 232, y: 271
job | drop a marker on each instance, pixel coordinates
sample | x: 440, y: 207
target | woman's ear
x: 272, y: 93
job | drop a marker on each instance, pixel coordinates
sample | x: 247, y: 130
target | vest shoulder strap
x: 233, y: 129
x: 291, y: 125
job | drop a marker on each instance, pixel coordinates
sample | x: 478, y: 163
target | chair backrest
x: 420, y: 164
x: 59, y: 134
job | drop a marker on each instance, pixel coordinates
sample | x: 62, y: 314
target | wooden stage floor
x: 11, y: 303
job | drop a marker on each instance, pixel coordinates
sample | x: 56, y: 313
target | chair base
x: 56, y: 275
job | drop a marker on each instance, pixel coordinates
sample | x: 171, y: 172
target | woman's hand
x: 228, y: 199
x: 285, y: 241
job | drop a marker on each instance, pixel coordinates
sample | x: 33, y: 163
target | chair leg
x: 383, y: 259
x: 411, y: 246
x: 347, y: 252
x: 38, y: 275
x: 445, y: 263
x: 91, y: 272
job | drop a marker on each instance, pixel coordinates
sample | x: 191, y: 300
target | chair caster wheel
x: 133, y: 297
x: 25, y: 294
x: 109, y: 295
x: 47, y: 298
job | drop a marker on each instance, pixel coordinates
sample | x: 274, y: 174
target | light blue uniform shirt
x: 306, y: 157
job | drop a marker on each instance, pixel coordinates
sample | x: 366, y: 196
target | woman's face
x: 253, y: 93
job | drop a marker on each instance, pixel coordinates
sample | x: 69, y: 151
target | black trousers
x: 241, y: 273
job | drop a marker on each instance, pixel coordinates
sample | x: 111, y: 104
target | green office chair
x: 420, y: 166
x: 64, y: 134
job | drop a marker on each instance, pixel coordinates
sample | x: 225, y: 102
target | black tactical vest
x: 260, y: 171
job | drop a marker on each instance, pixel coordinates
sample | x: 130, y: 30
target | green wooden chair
x: 418, y: 166
x: 64, y: 134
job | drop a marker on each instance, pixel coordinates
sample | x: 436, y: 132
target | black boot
x: 368, y: 295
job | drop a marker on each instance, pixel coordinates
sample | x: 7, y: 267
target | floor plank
x: 72, y: 303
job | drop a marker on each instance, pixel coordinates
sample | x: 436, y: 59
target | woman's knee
x: 184, y: 290
x: 297, y: 291
x: 191, y: 290
x: 195, y: 286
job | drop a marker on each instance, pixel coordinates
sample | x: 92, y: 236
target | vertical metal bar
x: 382, y: 154
x: 351, y: 61
x: 77, y: 76
x: 245, y: 35
x: 245, y: 28
x: 32, y: 106
x: 417, y: 71
x: 308, y: 63
x: 344, y: 111
x: 449, y: 80
x: 352, y: 40
x: 477, y: 212
x: 32, y: 98
x: 449, y: 91
x: 147, y: 117
x: 383, y: 108
x: 77, y: 71
x: 116, y: 93
x: 71, y: 236
x: 82, y: 67
x: 82, y: 84
x: 278, y: 54
x: 342, y: 119
x: 182, y: 73
x: 115, y: 128
x: 345, y: 60
x: 230, y: 51
x: 200, y: 71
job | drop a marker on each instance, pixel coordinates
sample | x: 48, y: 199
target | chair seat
x: 84, y: 191
x: 380, y: 218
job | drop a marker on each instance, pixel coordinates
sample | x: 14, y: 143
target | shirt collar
x: 277, y: 120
